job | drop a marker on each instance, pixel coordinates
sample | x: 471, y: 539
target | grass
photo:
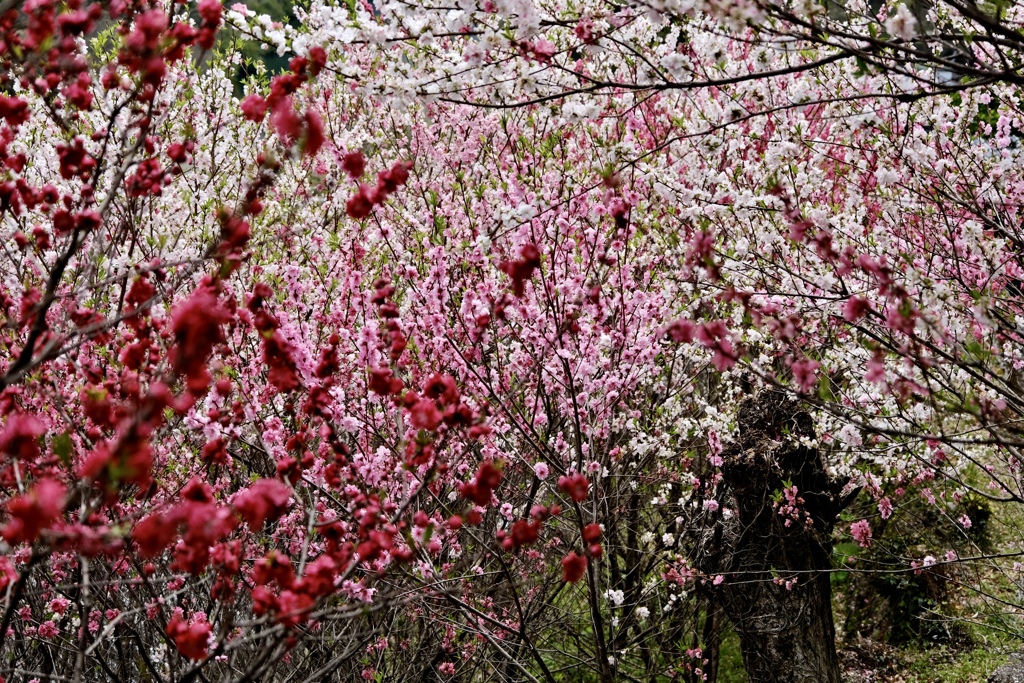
x: 730, y: 660
x: 942, y: 665
x: 912, y: 664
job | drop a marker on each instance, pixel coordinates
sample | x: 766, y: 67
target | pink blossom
x: 861, y: 532
x: 48, y: 629
x: 805, y: 374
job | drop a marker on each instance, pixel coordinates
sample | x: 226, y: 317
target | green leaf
x: 61, y: 446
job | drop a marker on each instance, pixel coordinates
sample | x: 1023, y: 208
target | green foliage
x: 730, y: 659
x: 254, y: 58
x: 883, y: 600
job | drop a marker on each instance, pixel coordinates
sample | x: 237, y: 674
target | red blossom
x: 274, y: 567
x: 142, y: 290
x: 424, y: 415
x: 317, y: 60
x: 8, y: 573
x: 153, y: 534
x: 190, y: 639
x: 282, y: 374
x: 314, y: 134
x: 441, y: 387
x: 14, y: 110
x: 488, y: 477
x: 267, y: 499
x: 354, y: 163
x: 855, y: 308
x: 573, y: 567
x: 285, y: 120
x: 20, y: 436
x: 328, y: 363
x: 254, y: 108
x: 522, y: 270
x: 681, y: 331
x: 384, y: 383
x: 715, y: 336
x: 524, y: 532
x: 390, y: 180
x: 215, y: 452
x: 211, y: 11
x: 196, y: 323
x: 292, y: 608
x: 34, y: 512
x: 360, y: 204
x: 576, y: 486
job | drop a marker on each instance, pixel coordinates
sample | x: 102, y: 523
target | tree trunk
x: 712, y: 640
x: 773, y: 552
x: 785, y: 636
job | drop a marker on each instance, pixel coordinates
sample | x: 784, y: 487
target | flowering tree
x: 804, y: 314
x: 358, y: 377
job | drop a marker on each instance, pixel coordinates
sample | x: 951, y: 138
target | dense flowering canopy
x: 371, y: 363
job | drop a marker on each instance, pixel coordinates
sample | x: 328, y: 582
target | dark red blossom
x: 360, y: 204
x: 153, y: 534
x: 354, y: 163
x: 267, y: 499
x: 20, y: 436
x: 13, y: 110
x: 34, y: 512
x: 282, y: 374
x: 329, y: 363
x: 681, y: 331
x: 441, y: 387
x: 211, y: 11
x: 377, y: 543
x: 215, y: 452
x: 286, y: 120
x: 576, y: 486
x: 274, y: 567
x: 196, y: 323
x: 488, y: 477
x: 573, y: 567
x: 384, y: 383
x: 715, y: 336
x: 314, y: 138
x: 74, y: 160
x: 523, y: 532
x: 254, y: 108
x: 317, y: 60
x: 522, y: 270
x: 141, y: 291
x: 855, y: 308
x: 190, y: 639
x: 390, y: 180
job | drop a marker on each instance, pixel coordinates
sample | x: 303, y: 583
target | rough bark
x: 787, y: 635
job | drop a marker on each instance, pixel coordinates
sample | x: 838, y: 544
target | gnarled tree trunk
x: 775, y: 588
